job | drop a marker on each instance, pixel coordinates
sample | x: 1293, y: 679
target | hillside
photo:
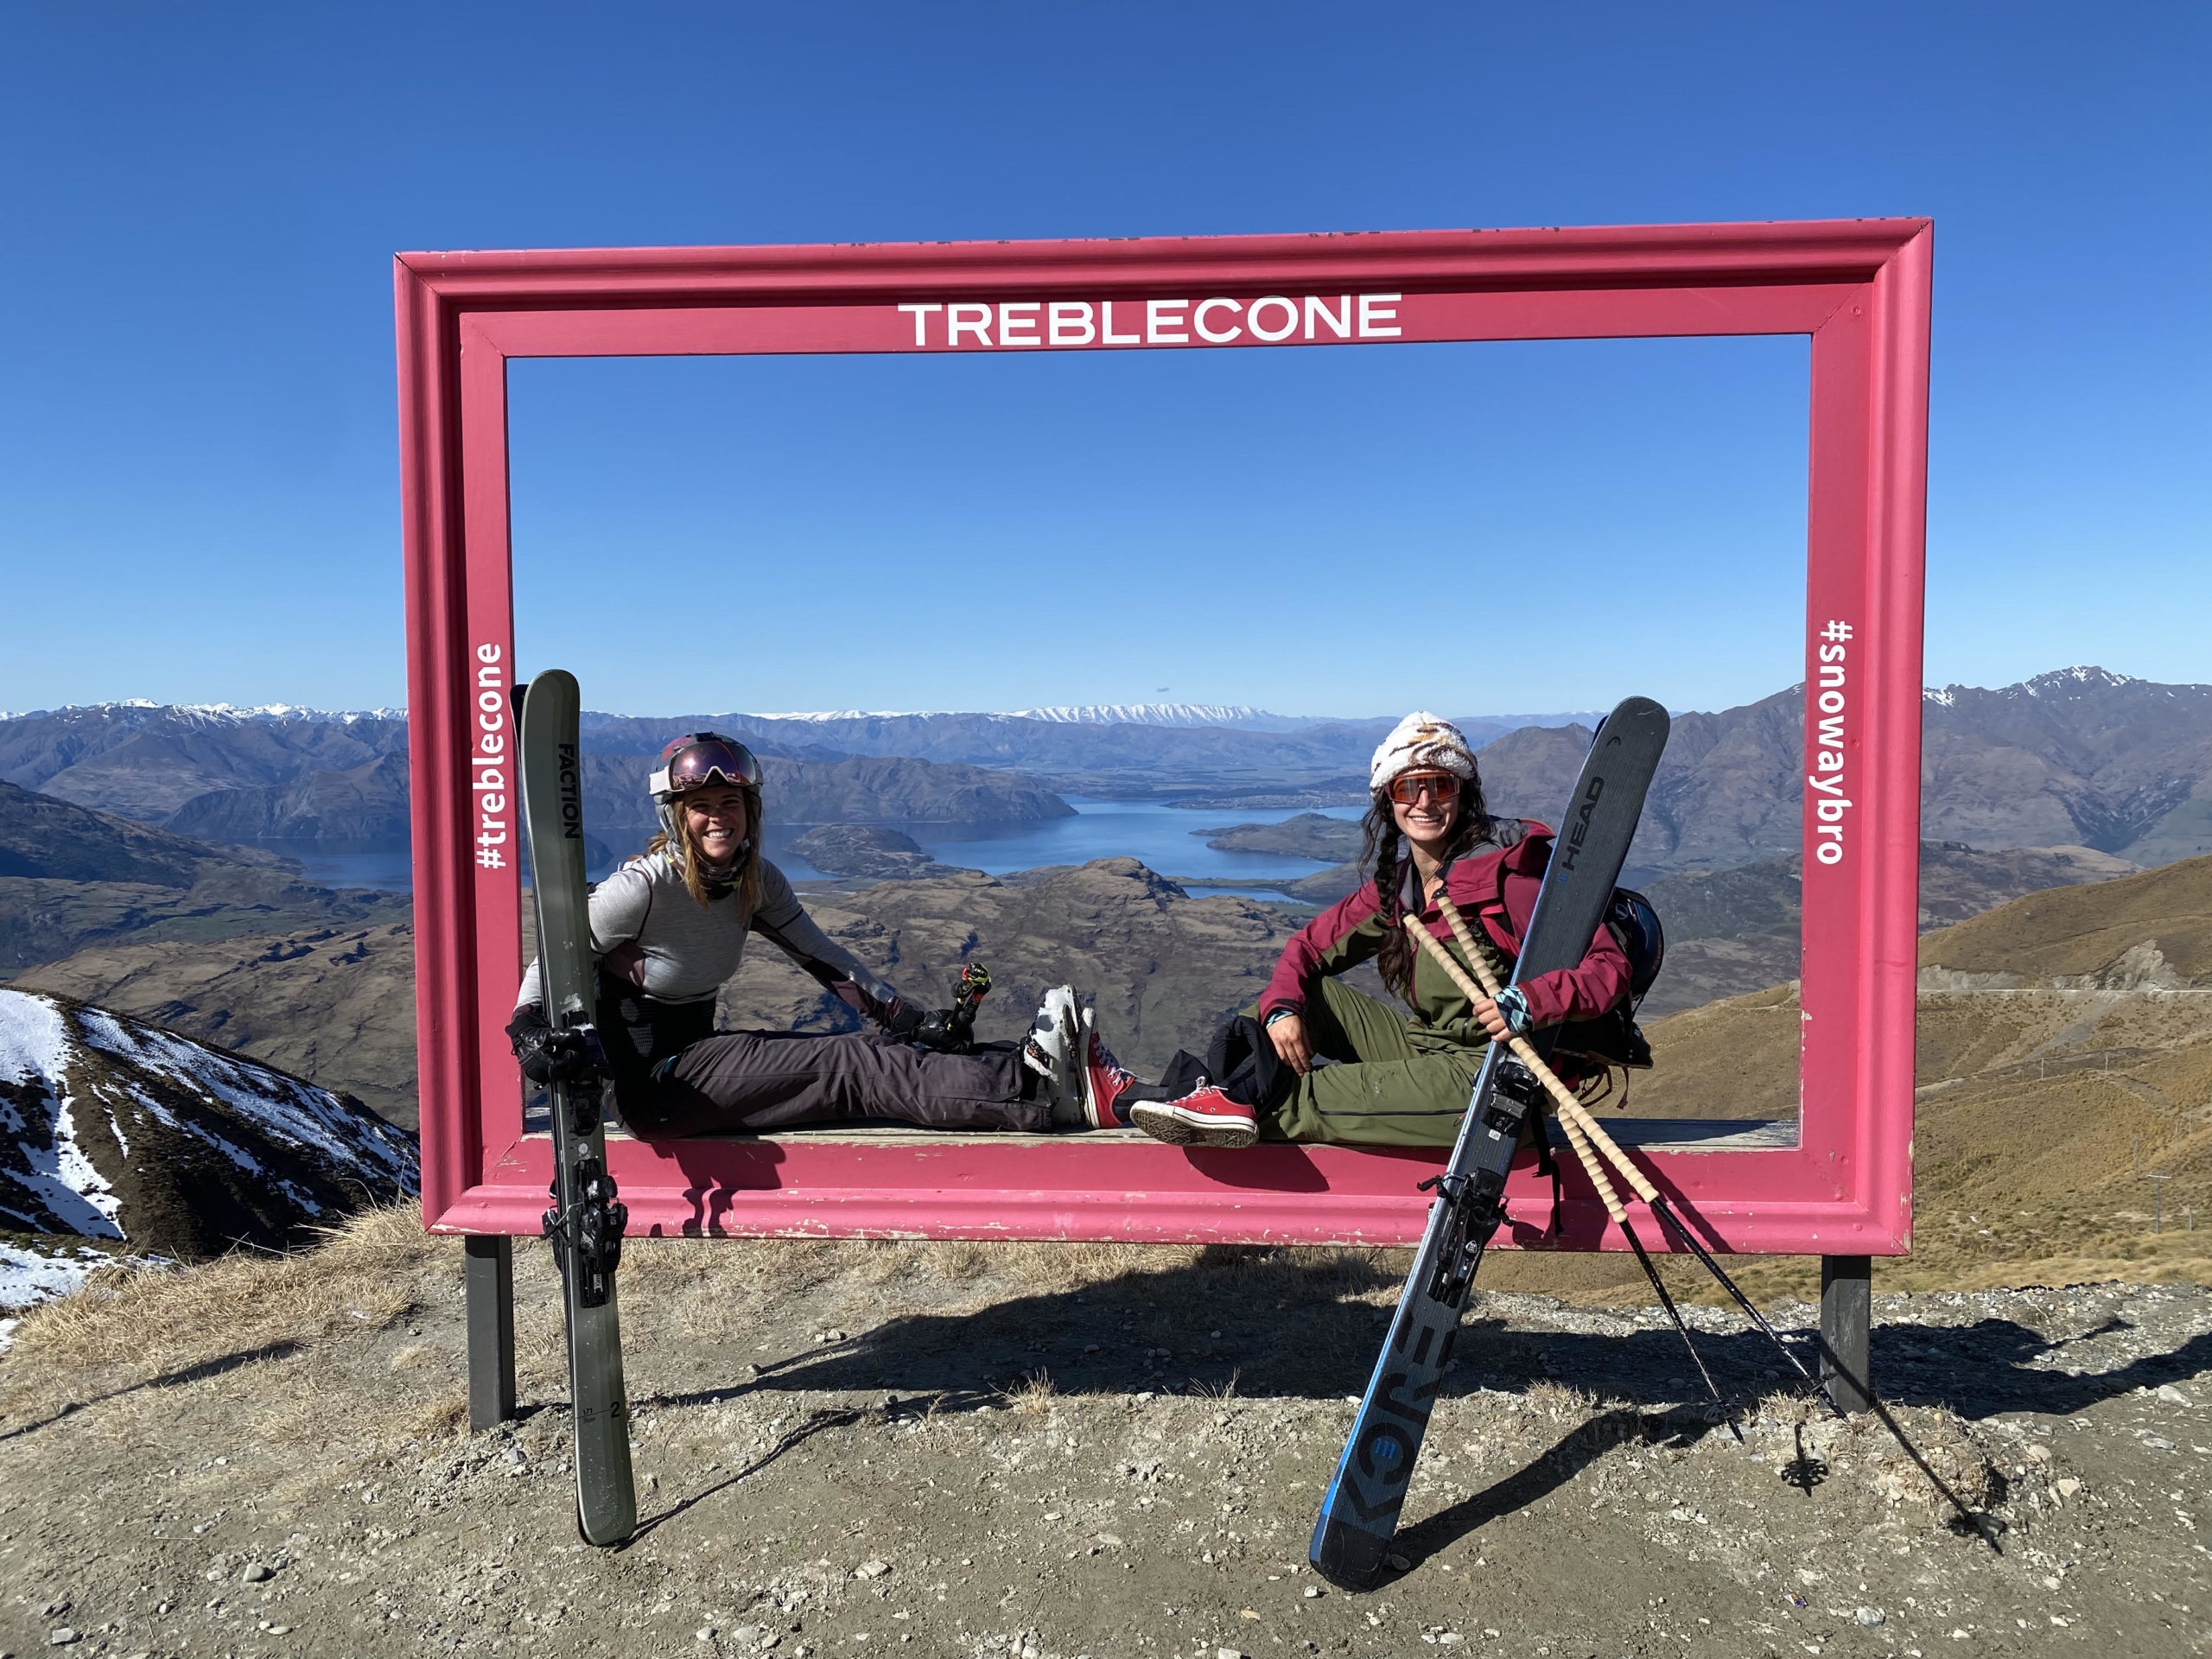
x: 72, y: 878
x: 363, y: 809
x: 2151, y: 932
x: 2065, y: 1052
x: 333, y: 1004
x: 44, y: 837
x: 336, y: 1004
x: 117, y: 1129
x: 1165, y: 966
x: 1733, y: 931
x: 146, y: 760
x: 1307, y: 836
x: 1038, y: 1451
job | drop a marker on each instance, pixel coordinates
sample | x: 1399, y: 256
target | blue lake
x: 1158, y: 837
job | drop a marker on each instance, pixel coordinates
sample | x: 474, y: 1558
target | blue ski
x: 1359, y: 1513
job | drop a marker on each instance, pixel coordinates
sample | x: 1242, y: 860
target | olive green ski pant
x: 1395, y: 1083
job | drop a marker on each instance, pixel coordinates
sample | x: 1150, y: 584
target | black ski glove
x: 942, y: 1031
x: 550, y: 1056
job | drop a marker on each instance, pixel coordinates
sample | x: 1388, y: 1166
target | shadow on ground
x: 1263, y: 1325
x: 176, y: 1379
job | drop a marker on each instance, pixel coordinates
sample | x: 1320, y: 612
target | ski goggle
x: 1408, y: 786
x: 700, y: 761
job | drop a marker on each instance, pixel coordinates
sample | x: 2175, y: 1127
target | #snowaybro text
x: 1824, y: 782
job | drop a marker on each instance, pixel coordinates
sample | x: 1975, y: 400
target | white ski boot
x: 1055, y: 1050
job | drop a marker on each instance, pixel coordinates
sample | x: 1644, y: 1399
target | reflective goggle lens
x: 714, y: 762
x: 1408, y: 787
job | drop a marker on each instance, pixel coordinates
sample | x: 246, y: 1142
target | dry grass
x: 1559, y: 1403
x: 361, y: 1276
x: 445, y: 1415
x: 1035, y: 1395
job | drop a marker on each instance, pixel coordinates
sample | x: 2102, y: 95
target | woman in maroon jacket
x: 1341, y: 1066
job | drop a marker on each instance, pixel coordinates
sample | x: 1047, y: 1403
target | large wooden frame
x: 1859, y: 289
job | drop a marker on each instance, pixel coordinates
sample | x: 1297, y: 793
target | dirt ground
x: 1021, y: 1451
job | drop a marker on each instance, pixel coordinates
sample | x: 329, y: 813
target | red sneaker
x: 1205, y: 1117
x: 1103, y: 1079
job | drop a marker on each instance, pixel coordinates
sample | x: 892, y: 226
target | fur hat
x: 1421, y: 742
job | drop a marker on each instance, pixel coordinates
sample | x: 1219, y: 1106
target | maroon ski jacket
x: 1496, y: 891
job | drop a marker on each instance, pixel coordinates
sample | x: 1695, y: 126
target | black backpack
x: 1614, y: 1036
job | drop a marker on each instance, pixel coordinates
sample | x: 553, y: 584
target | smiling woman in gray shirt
x: 668, y: 928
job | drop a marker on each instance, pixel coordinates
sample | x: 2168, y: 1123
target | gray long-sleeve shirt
x: 646, y: 927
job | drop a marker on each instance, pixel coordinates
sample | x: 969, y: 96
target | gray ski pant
x: 754, y: 1081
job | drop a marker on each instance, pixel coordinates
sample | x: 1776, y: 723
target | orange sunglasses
x: 1407, y: 786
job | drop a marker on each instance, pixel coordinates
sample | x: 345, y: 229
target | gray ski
x: 1359, y: 1512
x: 585, y: 1223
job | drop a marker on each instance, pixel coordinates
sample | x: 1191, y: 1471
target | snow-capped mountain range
x: 1238, y: 715
x: 217, y: 713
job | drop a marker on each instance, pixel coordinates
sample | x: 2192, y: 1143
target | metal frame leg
x: 491, y: 1282
x: 1847, y: 1323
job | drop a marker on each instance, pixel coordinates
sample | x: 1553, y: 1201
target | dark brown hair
x: 1380, y: 854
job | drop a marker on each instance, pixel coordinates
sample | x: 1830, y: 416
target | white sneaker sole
x: 1164, y: 1121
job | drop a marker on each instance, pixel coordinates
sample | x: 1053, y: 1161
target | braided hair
x: 1382, y: 852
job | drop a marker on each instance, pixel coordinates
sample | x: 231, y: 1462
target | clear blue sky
x: 198, y: 480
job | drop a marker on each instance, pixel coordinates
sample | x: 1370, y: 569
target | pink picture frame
x: 1858, y: 289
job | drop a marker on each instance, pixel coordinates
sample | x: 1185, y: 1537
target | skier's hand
x: 548, y: 1055
x: 1289, y: 1035
x: 526, y: 1035
x: 564, y: 1056
x: 941, y: 1031
x: 1508, y: 1016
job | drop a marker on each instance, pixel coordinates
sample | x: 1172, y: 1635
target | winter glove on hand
x: 550, y: 1056
x: 942, y: 1032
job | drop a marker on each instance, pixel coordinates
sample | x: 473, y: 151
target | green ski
x: 585, y: 1223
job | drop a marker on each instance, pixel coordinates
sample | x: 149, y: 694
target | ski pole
x: 1571, y: 1108
x: 1614, y: 1209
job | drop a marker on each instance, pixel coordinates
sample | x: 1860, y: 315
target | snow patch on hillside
x: 34, y: 1050
x: 297, y: 1113
x: 32, y: 1043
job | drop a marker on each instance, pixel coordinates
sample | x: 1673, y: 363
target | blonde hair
x: 691, y: 863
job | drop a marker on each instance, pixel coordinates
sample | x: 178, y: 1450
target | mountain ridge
x: 2079, y: 756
